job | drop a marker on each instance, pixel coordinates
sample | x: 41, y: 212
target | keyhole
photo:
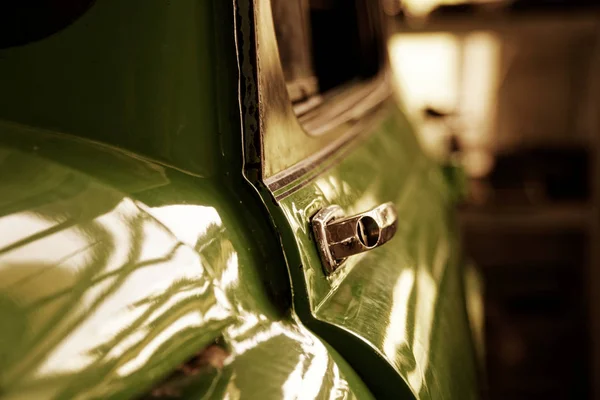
x: 367, y: 231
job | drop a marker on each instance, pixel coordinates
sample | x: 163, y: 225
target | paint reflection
x: 423, y: 325
x: 105, y: 295
x: 188, y: 222
x: 186, y: 321
x: 402, y: 298
x: 304, y: 364
x: 396, y: 332
x: 109, y: 294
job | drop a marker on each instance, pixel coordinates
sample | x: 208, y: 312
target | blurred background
x: 510, y: 91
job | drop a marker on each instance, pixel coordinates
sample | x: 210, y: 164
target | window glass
x: 326, y: 43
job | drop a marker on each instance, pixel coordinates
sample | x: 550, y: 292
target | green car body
x: 150, y: 248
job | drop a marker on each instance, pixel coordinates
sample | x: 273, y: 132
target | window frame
x: 283, y: 149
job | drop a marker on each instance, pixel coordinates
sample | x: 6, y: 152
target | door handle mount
x: 338, y: 237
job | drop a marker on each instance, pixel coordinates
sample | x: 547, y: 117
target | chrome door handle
x: 340, y: 237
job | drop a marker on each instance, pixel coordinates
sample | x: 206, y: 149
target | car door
x: 322, y: 129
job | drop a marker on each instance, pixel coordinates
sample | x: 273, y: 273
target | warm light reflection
x: 429, y: 274
x: 230, y: 275
x: 340, y: 387
x: 424, y: 309
x: 366, y: 201
x: 475, y: 307
x: 247, y: 323
x: 132, y: 288
x: 114, y: 224
x: 306, y: 384
x: 329, y: 186
x: 395, y: 334
x: 293, y: 384
x: 303, y: 361
x: 188, y: 222
x: 313, y: 377
x: 242, y: 346
x: 21, y: 226
x: 416, y: 285
x: 233, y: 392
x: 28, y: 240
x: 185, y: 321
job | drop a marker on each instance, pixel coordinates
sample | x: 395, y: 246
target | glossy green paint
x: 405, y: 299
x: 155, y: 77
x: 130, y: 241
x: 105, y: 291
x: 399, y: 313
x: 139, y: 244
